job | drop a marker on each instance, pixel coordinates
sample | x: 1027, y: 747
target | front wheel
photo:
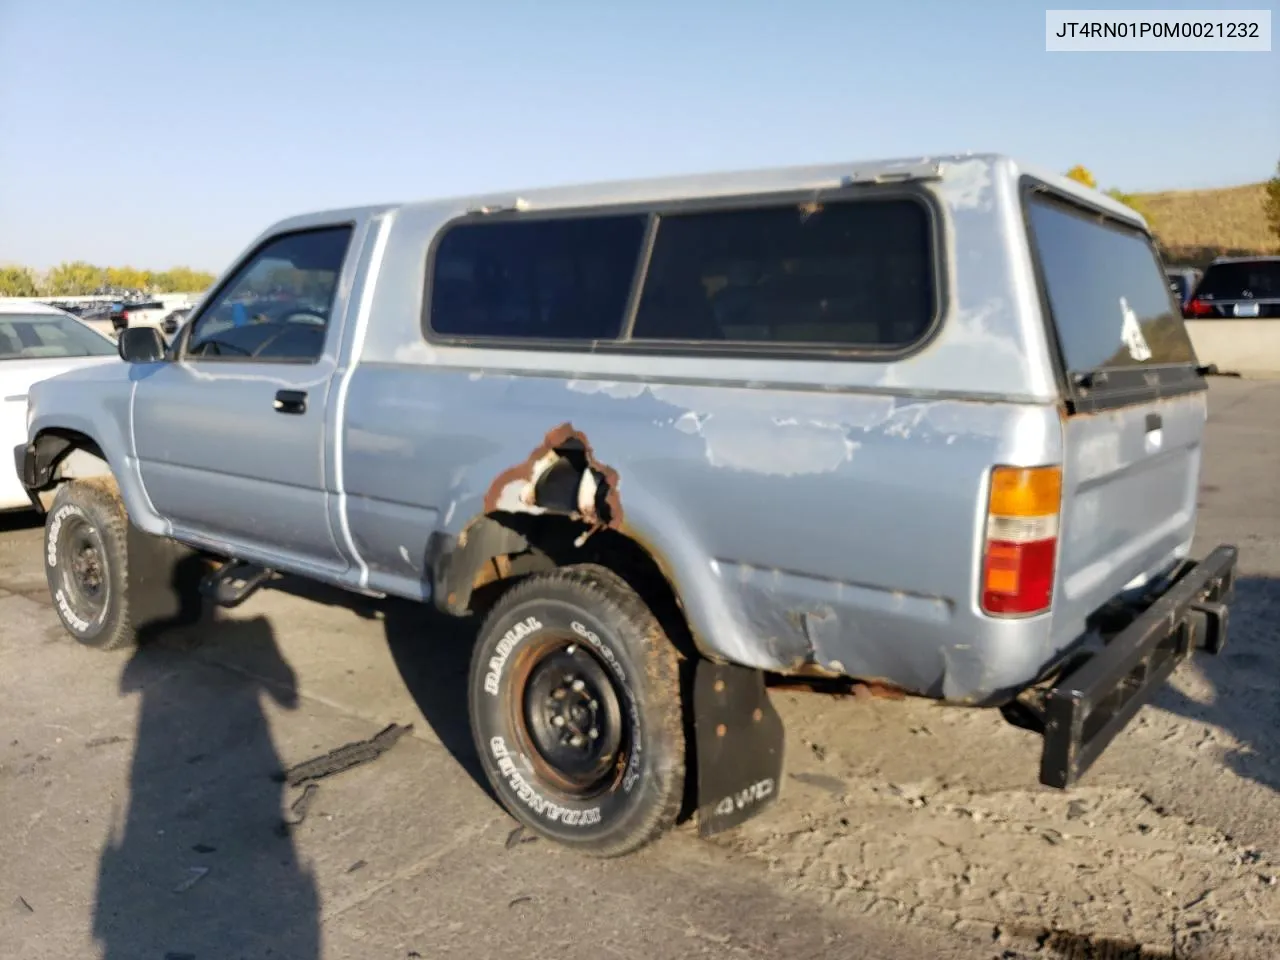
x: 86, y: 562
x: 576, y: 711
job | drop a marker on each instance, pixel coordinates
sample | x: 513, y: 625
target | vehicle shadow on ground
x: 12, y: 521
x: 201, y: 864
x: 1243, y: 677
x: 432, y: 652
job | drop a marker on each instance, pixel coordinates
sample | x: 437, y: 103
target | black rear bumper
x: 1091, y: 703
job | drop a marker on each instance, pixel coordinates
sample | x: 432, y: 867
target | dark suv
x: 1182, y: 281
x: 1243, y: 288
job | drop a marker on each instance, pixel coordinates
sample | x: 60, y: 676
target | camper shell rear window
x: 1118, y: 330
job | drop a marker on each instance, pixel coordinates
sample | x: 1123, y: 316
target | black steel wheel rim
x: 82, y: 556
x: 572, y: 718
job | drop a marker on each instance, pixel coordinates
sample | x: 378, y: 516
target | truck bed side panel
x: 802, y: 528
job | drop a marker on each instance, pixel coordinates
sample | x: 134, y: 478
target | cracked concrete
x: 123, y: 776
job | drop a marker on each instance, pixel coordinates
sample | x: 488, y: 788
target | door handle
x: 1154, y: 422
x: 291, y: 401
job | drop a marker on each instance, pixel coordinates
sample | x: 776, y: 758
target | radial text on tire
x: 576, y: 711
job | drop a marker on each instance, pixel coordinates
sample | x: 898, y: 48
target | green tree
x: 128, y: 278
x: 1271, y: 203
x: 74, y: 279
x: 1082, y: 175
x: 17, y: 282
x: 1131, y: 201
x: 182, y: 280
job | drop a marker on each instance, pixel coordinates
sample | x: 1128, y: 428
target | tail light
x: 1198, y: 308
x: 1022, y: 540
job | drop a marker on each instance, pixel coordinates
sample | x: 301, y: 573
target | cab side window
x: 277, y: 306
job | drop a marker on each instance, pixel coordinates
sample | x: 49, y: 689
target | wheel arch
x: 58, y: 453
x: 565, y: 504
x: 495, y: 550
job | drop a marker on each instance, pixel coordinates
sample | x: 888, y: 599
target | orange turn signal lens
x: 1025, y: 491
x: 1022, y: 540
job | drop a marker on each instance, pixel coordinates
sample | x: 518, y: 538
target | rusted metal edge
x: 542, y: 458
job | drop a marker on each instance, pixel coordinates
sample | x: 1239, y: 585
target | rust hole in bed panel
x: 561, y: 475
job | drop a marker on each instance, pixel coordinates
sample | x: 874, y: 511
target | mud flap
x: 739, y: 745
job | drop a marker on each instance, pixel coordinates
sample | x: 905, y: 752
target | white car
x: 37, y: 342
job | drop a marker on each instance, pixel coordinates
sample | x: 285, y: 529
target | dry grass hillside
x: 1194, y: 226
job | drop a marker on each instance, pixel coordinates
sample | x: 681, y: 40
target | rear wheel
x: 576, y: 712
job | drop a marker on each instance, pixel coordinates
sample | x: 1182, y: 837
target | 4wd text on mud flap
x: 745, y: 798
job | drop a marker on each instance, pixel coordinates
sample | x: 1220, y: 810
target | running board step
x: 234, y: 582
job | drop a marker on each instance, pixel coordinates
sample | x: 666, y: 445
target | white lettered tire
x: 86, y: 562
x: 576, y: 711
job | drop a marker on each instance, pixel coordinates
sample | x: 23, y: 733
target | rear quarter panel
x: 801, y: 529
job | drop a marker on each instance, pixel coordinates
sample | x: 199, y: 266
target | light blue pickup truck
x: 934, y: 424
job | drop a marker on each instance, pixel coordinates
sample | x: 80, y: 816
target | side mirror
x: 141, y: 345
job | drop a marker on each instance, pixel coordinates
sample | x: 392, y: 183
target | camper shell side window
x: 857, y: 275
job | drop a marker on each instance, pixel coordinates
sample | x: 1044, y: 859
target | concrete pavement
x: 143, y: 817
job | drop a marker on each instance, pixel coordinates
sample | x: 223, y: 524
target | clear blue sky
x: 163, y: 133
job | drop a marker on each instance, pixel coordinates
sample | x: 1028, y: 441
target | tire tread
x: 100, y: 498
x: 662, y: 672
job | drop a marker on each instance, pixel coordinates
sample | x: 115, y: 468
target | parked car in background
x: 37, y: 342
x: 134, y: 313
x: 1243, y: 288
x: 98, y: 316
x: 1182, y: 281
x: 75, y: 309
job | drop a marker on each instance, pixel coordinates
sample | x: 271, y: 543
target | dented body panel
x: 812, y: 515
x: 779, y: 515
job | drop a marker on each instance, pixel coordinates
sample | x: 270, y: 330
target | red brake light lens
x: 1199, y: 308
x: 1018, y: 577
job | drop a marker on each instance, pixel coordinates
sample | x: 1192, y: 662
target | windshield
x: 1107, y: 292
x: 25, y: 337
x: 1241, y: 280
